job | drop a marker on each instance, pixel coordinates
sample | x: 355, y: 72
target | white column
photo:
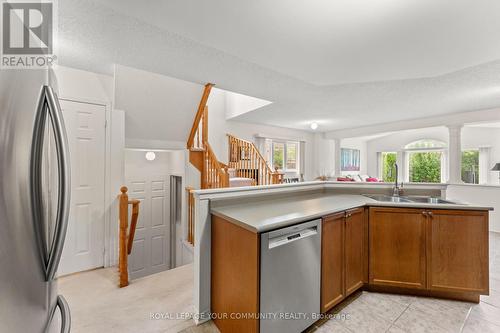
x: 324, y: 156
x: 484, y: 165
x: 402, y: 166
x: 455, y: 154
x: 337, y: 143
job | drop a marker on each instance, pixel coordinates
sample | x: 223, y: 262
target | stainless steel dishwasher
x: 290, y: 278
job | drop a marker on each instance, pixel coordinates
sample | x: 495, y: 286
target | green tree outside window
x: 425, y: 167
x: 388, y: 167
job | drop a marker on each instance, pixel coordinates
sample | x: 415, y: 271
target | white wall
x: 237, y: 104
x: 477, y: 137
x: 324, y: 156
x: 481, y: 195
x: 136, y: 164
x: 361, y: 145
x: 159, y: 109
x: 82, y: 85
x: 472, y: 138
x: 219, y: 127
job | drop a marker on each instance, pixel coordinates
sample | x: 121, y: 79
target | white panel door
x: 151, y: 248
x: 84, y: 245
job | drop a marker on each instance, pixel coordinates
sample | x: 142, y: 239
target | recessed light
x: 314, y: 126
x: 150, y: 155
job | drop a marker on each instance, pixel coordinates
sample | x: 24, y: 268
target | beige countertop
x: 261, y: 216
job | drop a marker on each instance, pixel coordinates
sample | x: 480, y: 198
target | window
x: 425, y: 167
x: 291, y: 156
x: 425, y: 160
x: 278, y: 155
x: 470, y: 166
x: 388, y: 173
x: 425, y: 144
x: 285, y: 155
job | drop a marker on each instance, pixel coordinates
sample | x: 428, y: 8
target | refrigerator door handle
x: 35, y: 180
x: 64, y: 181
x: 50, y: 254
x: 65, y: 314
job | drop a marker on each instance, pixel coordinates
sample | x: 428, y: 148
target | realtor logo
x: 27, y: 34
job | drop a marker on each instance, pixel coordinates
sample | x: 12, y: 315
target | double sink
x: 409, y: 199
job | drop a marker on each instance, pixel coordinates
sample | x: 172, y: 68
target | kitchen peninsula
x: 354, y: 236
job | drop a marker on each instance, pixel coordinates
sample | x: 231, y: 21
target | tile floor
x: 367, y: 312
x: 98, y: 305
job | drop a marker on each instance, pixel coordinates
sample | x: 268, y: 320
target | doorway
x: 86, y: 132
x: 176, y: 193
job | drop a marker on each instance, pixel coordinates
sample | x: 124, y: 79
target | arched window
x: 425, y: 144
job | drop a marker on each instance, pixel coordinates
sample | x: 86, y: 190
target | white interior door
x: 84, y: 245
x: 151, y: 248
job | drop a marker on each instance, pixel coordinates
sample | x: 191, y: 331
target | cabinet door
x: 332, y: 261
x: 355, y: 256
x: 397, y: 247
x: 458, y: 251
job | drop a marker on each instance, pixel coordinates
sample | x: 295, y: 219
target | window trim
x: 381, y: 162
x: 285, y: 145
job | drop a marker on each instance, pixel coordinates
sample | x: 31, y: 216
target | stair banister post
x: 123, y: 264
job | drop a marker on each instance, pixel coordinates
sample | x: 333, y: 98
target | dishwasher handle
x: 293, y: 236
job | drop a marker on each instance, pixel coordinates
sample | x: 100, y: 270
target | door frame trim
x: 110, y: 255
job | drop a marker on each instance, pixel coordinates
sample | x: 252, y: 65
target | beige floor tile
x: 395, y: 329
x: 476, y: 324
x: 493, y: 298
x: 487, y: 312
x: 361, y: 317
x: 401, y: 299
x: 447, y: 314
x: 332, y: 326
x: 208, y: 327
x: 382, y: 305
x: 416, y: 321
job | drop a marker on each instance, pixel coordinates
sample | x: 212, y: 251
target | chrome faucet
x: 397, y: 190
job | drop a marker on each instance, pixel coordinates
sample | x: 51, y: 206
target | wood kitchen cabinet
x: 343, y: 256
x: 332, y: 261
x: 442, y: 252
x: 355, y: 245
x: 397, y: 247
x: 457, y: 251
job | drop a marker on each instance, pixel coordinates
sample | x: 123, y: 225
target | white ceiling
x: 327, y: 42
x: 485, y: 125
x: 343, y: 63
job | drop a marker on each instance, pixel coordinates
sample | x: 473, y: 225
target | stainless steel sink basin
x: 430, y: 200
x: 386, y: 198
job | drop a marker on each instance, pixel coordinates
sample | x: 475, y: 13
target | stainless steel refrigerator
x: 34, y: 202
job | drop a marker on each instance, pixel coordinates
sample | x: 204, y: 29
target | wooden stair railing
x: 200, y: 123
x: 248, y: 162
x: 213, y: 173
x: 126, y: 242
x: 190, y: 217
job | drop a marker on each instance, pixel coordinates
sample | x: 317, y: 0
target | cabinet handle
x: 424, y: 213
x: 430, y: 213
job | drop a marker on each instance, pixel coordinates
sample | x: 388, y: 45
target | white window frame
x: 380, y: 161
x: 443, y: 168
x: 297, y: 155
